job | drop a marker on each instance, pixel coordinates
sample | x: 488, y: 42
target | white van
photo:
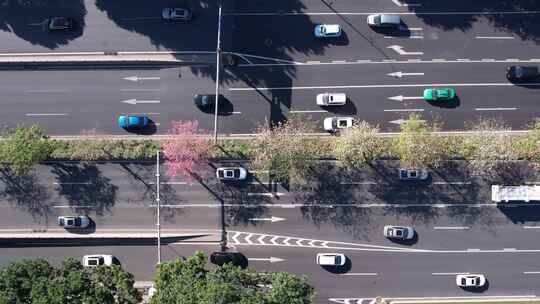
x: 331, y: 99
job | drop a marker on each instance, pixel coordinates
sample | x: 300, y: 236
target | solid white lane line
x: 449, y: 273
x: 308, y: 111
x: 339, y: 61
x: 494, y: 37
x: 266, y: 194
x: 370, y: 274
x: 496, y: 109
x: 404, y: 37
x: 314, y: 61
x: 73, y: 206
x: 393, y: 13
x: 404, y: 110
x: 358, y: 183
x: 531, y: 227
x: 488, y: 59
x: 169, y: 183
x: 451, y: 183
x: 408, y: 61
x: 452, y: 228
x: 463, y: 59
x: 74, y: 183
x: 381, y: 86
x: 414, y: 28
x: 438, y: 59
x: 47, y: 91
x: 473, y: 249
x: 139, y: 90
x: 509, y: 249
x: 46, y: 114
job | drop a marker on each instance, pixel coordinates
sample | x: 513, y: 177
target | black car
x: 205, y: 100
x: 220, y: 258
x: 59, y: 23
x: 518, y: 72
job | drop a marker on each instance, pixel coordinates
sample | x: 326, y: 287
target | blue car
x: 327, y: 30
x: 133, y: 121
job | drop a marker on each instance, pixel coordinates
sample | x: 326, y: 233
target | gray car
x: 383, y: 20
x: 70, y: 222
x: 412, y: 174
x: 398, y: 232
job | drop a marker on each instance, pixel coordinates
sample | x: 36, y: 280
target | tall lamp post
x: 158, y: 225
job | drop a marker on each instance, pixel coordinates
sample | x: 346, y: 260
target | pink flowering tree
x: 185, y: 152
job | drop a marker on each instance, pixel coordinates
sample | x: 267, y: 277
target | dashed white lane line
x: 531, y: 227
x: 47, y: 91
x: 339, y: 61
x: 509, y: 249
x: 371, y: 13
x: 266, y: 194
x: 308, y: 111
x: 494, y: 37
x: 452, y: 228
x: 473, y: 249
x: 531, y: 272
x: 73, y: 183
x: 363, y: 274
x: 404, y: 37
x: 358, y: 183
x: 169, y: 183
x: 449, y: 273
x: 46, y: 114
x: 404, y: 110
x: 496, y: 109
x: 463, y: 59
x: 451, y: 183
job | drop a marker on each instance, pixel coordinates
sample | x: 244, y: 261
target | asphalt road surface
x: 458, y: 230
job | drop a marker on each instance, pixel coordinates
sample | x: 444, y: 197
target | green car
x: 438, y: 94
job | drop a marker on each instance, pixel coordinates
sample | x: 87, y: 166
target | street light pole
x: 158, y: 225
x: 218, y: 66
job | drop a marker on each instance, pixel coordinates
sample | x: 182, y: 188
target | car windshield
x: 95, y: 261
x: 412, y: 173
x: 70, y: 222
x: 338, y: 259
x: 229, y: 173
x: 342, y: 123
x: 377, y: 19
x: 463, y: 281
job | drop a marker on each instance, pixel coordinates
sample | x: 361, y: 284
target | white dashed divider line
x: 448, y: 273
x: 404, y: 110
x: 531, y: 272
x: 451, y: 183
x: 496, y: 109
x: 308, y: 111
x: 473, y: 249
x: 46, y: 114
x: 463, y: 59
x: 452, y: 228
x: 495, y: 37
x: 531, y: 227
x: 438, y: 59
x: 362, y: 274
x: 509, y: 249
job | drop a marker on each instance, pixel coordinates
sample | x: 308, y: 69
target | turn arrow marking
x: 399, y: 50
x: 135, y: 78
x: 402, y: 98
x: 272, y: 219
x: 135, y: 101
x: 270, y: 259
x: 400, y: 74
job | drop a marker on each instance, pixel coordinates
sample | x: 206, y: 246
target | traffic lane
x: 104, y: 26
x: 379, y: 73
x: 314, y: 6
x: 378, y: 273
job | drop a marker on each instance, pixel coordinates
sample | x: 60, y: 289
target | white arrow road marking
x: 400, y: 74
x: 273, y: 240
x: 266, y: 194
x: 402, y: 98
x: 286, y: 241
x: 272, y: 219
x: 399, y: 50
x: 270, y: 259
x: 135, y: 101
x: 493, y: 37
x: 235, y: 238
x: 261, y: 239
x: 397, y: 122
x: 399, y: 3
x: 136, y: 78
x: 452, y: 228
x: 248, y: 239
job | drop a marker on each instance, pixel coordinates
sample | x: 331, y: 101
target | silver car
x: 383, y: 20
x: 231, y: 174
x: 398, y: 232
x: 70, y: 222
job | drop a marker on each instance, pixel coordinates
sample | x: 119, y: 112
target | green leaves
x: 189, y: 282
x: 24, y: 147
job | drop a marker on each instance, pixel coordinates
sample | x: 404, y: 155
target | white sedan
x: 470, y: 280
x: 334, y: 124
x: 398, y: 232
x: 327, y: 30
x: 98, y: 260
x: 331, y: 99
x: 331, y: 259
x: 231, y: 173
x: 70, y: 222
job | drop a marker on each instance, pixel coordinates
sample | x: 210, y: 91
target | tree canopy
x: 23, y: 148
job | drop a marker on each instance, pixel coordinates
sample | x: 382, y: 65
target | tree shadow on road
x: 25, y: 20
x: 26, y: 193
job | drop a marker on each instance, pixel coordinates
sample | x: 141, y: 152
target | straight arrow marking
x: 134, y: 101
x: 402, y: 98
x: 135, y: 78
x: 272, y: 219
x: 400, y: 74
x: 399, y: 50
x: 270, y: 259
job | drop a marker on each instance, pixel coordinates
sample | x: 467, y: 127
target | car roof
x: 332, y: 28
x: 395, y: 19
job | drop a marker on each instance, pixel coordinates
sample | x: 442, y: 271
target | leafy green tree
x: 37, y: 282
x: 189, y: 282
x: 23, y: 148
x: 417, y: 145
x: 359, y: 145
x: 528, y: 145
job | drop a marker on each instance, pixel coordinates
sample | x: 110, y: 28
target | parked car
x: 518, y: 72
x: 327, y: 30
x: 98, y: 260
x: 205, y: 100
x: 331, y: 259
x: 59, y: 23
x: 177, y: 13
x: 220, y: 258
x: 133, y: 121
x: 231, y: 173
x: 439, y: 94
x: 68, y: 222
x: 398, y: 232
x: 331, y: 99
x: 413, y: 174
x: 334, y: 124
x: 470, y: 280
x: 383, y: 20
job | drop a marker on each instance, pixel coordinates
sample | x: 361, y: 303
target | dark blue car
x: 133, y: 121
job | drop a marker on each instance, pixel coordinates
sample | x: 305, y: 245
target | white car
x: 176, y: 13
x: 327, y: 30
x: 334, y: 124
x: 331, y: 259
x: 470, y: 280
x: 331, y: 99
x: 97, y: 260
x: 68, y: 222
x: 398, y: 232
x: 231, y: 173
x: 383, y: 20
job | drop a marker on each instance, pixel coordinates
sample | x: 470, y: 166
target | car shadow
x: 342, y: 40
x: 339, y: 269
x: 448, y: 104
x: 347, y: 109
x: 477, y: 289
x: 225, y: 107
x: 88, y: 230
x: 150, y: 129
x: 532, y: 83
